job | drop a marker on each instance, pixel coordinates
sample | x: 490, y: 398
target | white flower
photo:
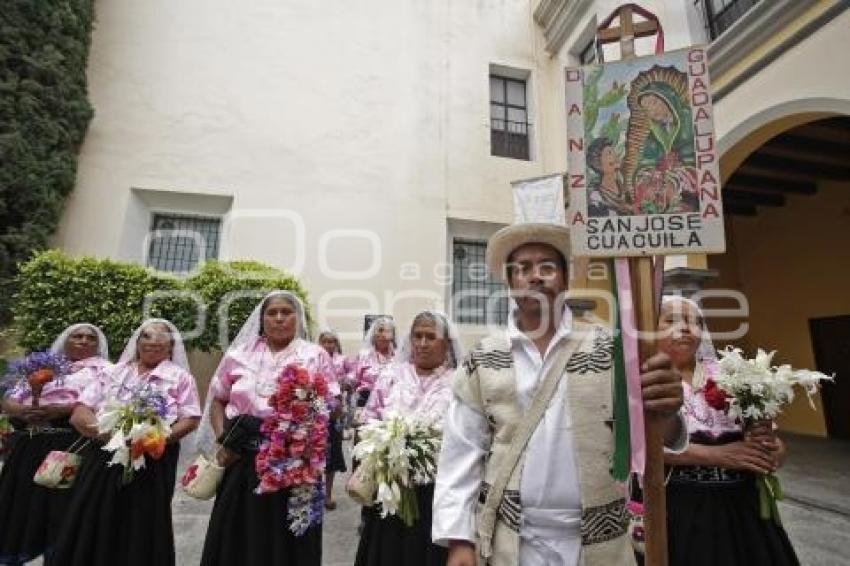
x: 772, y: 409
x: 762, y: 361
x: 120, y: 456
x: 386, y: 497
x: 752, y: 413
x: 399, y: 453
x: 117, y: 441
x: 108, y: 419
x: 758, y: 389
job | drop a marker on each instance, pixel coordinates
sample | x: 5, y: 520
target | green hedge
x: 44, y: 113
x: 253, y: 279
x: 57, y: 290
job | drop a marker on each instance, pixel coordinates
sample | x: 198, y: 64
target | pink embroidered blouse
x: 424, y: 398
x: 246, y: 378
x: 369, y: 366
x: 343, y: 369
x: 699, y: 416
x: 67, y: 390
x: 123, y: 381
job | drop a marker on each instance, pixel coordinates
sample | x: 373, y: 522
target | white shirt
x: 549, y: 486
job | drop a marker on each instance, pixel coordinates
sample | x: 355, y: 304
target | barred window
x: 723, y: 13
x: 477, y: 298
x: 177, y: 241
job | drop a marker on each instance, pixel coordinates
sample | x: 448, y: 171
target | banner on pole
x: 643, y: 164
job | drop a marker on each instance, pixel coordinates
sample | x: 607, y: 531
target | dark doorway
x: 831, y: 342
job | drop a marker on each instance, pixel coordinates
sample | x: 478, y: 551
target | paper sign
x: 643, y: 165
x: 540, y: 200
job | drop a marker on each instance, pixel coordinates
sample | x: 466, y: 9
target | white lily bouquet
x: 137, y: 428
x: 751, y: 390
x: 399, y: 454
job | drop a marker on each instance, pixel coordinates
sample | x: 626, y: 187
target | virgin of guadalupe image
x: 659, y: 165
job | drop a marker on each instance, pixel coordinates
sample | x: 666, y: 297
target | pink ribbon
x: 631, y: 358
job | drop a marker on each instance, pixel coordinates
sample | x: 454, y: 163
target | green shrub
x: 240, y: 284
x: 57, y: 290
x: 44, y: 113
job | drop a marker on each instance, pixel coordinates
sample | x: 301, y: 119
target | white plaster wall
x: 336, y: 113
x: 348, y: 115
x: 813, y: 76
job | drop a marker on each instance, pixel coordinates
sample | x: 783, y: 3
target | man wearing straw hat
x: 524, y: 473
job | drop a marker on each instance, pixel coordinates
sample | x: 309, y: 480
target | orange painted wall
x: 793, y: 263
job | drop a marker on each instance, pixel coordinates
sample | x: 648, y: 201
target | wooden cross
x: 646, y: 317
x: 626, y: 32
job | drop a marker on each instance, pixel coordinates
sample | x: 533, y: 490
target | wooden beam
x: 745, y: 179
x: 738, y: 196
x: 807, y: 149
x: 836, y: 130
x: 801, y: 168
x: 641, y: 29
x: 733, y: 209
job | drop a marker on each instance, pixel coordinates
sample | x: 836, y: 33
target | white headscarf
x: 250, y: 331
x: 178, y: 350
x: 58, y: 346
x: 244, y: 341
x: 369, y: 340
x: 333, y: 334
x: 454, y: 351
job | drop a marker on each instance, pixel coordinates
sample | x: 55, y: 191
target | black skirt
x: 31, y: 515
x: 335, y: 458
x: 116, y: 523
x: 713, y: 518
x: 249, y: 529
x: 388, y: 542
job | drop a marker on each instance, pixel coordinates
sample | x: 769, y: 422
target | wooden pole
x: 646, y: 317
x: 654, y: 495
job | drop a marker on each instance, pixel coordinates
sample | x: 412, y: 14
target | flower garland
x: 751, y: 390
x: 138, y: 428
x: 292, y: 455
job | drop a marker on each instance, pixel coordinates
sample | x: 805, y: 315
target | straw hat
x: 509, y: 238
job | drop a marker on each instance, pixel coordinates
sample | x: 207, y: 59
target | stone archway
x: 750, y: 134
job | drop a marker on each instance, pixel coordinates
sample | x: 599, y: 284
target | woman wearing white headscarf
x: 712, y: 502
x: 30, y: 515
x: 376, y: 357
x: 130, y: 524
x: 420, y: 389
x: 247, y: 528
x: 335, y: 461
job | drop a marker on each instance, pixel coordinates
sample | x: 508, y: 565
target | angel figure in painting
x: 606, y: 191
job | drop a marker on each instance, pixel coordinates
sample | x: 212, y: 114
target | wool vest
x: 487, y: 383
